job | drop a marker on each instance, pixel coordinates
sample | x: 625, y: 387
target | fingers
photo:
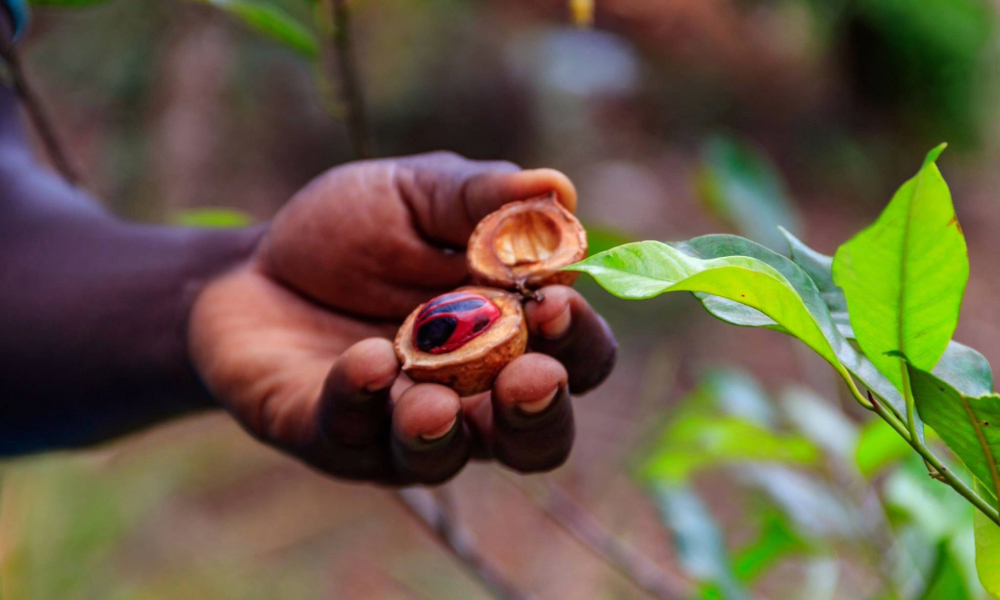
x: 419, y: 440
x: 425, y: 437
x: 354, y: 412
x: 563, y: 326
x: 449, y: 195
x: 430, y: 443
x: 532, y: 418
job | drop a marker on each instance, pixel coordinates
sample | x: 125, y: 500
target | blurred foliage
x: 601, y: 237
x: 925, y: 61
x: 810, y: 511
x: 213, y: 217
x: 74, y: 527
x: 739, y: 184
x: 273, y: 22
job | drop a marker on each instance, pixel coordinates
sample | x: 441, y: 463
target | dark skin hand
x: 108, y: 326
x: 294, y: 342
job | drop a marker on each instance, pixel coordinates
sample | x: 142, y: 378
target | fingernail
x: 439, y: 433
x: 557, y: 327
x: 381, y: 384
x: 533, y: 408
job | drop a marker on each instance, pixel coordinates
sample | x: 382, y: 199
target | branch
x: 943, y: 474
x: 634, y: 566
x: 351, y: 92
x: 39, y: 117
x: 437, y: 517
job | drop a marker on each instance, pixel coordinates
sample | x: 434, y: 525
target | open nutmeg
x: 525, y: 244
x: 463, y: 339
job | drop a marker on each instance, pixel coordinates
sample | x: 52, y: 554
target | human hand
x: 293, y: 343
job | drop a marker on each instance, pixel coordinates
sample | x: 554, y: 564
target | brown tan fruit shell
x: 473, y: 367
x: 524, y: 244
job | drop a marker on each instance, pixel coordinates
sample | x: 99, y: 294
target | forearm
x: 93, y: 312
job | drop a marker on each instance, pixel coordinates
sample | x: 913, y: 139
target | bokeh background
x: 727, y: 459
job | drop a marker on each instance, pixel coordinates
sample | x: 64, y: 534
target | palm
x: 351, y: 255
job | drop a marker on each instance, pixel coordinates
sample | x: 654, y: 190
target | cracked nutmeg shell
x: 524, y: 244
x: 463, y: 339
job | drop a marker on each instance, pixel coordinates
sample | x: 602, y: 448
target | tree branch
x: 438, y: 518
x: 351, y: 92
x: 39, y: 117
x: 634, y: 566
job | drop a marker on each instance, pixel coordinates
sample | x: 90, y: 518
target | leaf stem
x: 352, y: 94
x: 947, y: 475
x: 39, y: 117
x: 911, y: 404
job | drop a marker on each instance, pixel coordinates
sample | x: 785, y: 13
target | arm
x: 93, y: 310
x: 106, y: 326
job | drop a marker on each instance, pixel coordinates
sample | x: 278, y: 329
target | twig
x: 39, y: 117
x: 437, y: 517
x: 633, y: 565
x: 352, y: 94
x: 946, y: 474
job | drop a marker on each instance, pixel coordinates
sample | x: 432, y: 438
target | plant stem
x: 39, y: 117
x: 351, y: 92
x: 947, y: 474
x: 634, y: 566
x: 436, y: 515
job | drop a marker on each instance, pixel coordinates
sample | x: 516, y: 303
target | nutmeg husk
x: 524, y: 244
x: 472, y: 368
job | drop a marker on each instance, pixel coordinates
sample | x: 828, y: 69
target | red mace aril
x: 447, y: 322
x: 463, y: 339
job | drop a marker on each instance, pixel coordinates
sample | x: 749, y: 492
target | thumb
x: 486, y: 192
x: 449, y: 195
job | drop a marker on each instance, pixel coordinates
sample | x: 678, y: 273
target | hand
x: 294, y: 343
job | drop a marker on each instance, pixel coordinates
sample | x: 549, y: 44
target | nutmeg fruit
x: 524, y: 244
x: 463, y: 339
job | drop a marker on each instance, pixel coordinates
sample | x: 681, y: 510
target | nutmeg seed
x: 471, y: 366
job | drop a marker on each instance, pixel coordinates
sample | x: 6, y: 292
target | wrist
x: 210, y: 255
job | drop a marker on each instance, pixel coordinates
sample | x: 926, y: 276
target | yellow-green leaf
x: 646, y: 269
x: 987, y: 548
x: 905, y: 275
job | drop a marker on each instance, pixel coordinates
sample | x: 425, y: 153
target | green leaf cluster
x: 882, y: 312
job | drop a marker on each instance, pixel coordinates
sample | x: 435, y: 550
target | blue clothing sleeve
x: 18, y: 10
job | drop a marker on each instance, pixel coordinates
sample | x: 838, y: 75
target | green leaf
x: 272, y: 22
x: 904, y: 276
x: 961, y: 366
x: 700, y: 547
x: 696, y: 441
x: 212, y: 218
x: 969, y: 426
x: 646, y: 269
x: 718, y: 246
x: 819, y: 268
x: 987, y: 548
x: 740, y: 185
